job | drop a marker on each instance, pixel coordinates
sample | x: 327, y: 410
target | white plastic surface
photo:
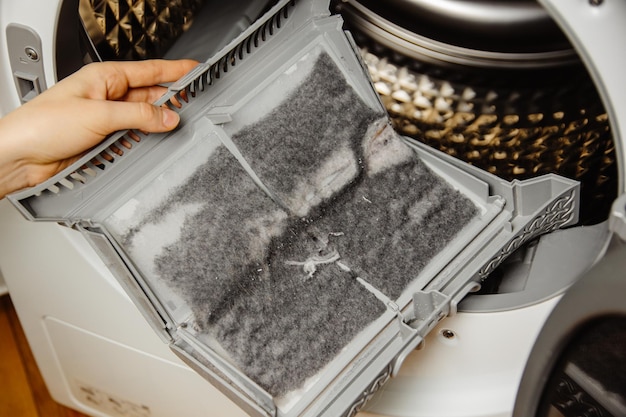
x: 476, y: 372
x: 43, y: 22
x: 82, y: 249
x: 155, y: 387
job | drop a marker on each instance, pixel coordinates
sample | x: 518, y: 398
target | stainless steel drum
x: 136, y: 29
x: 494, y: 83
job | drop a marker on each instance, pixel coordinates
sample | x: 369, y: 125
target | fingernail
x: 170, y: 118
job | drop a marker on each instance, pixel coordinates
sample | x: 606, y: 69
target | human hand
x: 49, y: 133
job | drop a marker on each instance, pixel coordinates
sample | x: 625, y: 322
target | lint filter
x: 285, y: 241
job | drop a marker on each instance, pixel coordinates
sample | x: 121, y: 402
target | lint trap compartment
x: 285, y: 241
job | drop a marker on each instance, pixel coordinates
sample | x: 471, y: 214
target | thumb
x: 142, y: 116
x: 169, y: 118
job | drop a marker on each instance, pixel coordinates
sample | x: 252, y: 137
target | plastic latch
x: 414, y: 340
x: 429, y: 307
x: 26, y: 60
x: 617, y: 220
x: 427, y: 303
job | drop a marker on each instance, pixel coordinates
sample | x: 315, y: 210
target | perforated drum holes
x: 131, y: 30
x: 514, y: 132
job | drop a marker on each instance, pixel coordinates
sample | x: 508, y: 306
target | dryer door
x: 578, y: 364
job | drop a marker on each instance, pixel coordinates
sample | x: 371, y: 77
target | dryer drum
x: 517, y: 109
x: 510, y: 97
x: 133, y: 29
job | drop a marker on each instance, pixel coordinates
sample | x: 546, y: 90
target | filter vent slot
x: 109, y: 155
x: 215, y: 70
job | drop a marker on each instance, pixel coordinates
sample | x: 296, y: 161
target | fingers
x: 156, y: 71
x: 114, y: 80
x: 135, y: 81
x: 127, y: 76
x: 147, y: 94
x: 152, y: 94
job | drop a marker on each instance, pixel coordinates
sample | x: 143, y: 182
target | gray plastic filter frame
x: 218, y: 98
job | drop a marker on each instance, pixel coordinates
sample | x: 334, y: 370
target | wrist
x: 14, y: 173
x: 12, y: 179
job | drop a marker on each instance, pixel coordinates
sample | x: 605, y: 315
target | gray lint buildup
x: 274, y: 282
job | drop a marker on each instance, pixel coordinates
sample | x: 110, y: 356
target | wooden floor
x: 22, y: 390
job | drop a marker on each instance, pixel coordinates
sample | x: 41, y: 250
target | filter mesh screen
x: 275, y: 284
